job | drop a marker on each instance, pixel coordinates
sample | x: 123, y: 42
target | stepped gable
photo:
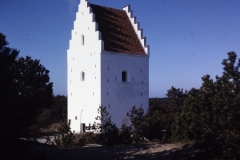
x: 117, y: 31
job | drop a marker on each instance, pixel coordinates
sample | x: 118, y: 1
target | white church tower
x: 108, y: 65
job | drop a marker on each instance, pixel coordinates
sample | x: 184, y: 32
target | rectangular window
x: 124, y: 76
x: 75, y: 117
x: 82, y: 76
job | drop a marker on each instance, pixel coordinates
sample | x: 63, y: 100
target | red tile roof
x: 117, y: 31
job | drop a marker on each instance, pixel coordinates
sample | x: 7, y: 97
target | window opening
x: 75, y: 117
x: 82, y: 40
x: 115, y: 78
x: 124, y: 76
x: 82, y: 76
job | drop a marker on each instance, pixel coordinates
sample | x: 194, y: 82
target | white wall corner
x: 96, y: 26
x: 127, y: 8
x: 99, y: 35
x: 134, y: 18
x: 87, y: 3
x: 91, y: 10
x: 142, y: 35
x: 93, y: 17
x: 102, y: 45
x: 145, y: 40
x: 147, y: 50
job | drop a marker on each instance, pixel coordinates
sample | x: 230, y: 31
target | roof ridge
x: 105, y: 6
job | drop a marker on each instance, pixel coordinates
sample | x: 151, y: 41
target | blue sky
x: 187, y: 38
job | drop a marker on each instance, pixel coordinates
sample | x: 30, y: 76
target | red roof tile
x: 117, y: 31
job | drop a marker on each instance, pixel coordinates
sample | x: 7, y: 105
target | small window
x: 82, y: 40
x: 82, y: 76
x: 75, y: 117
x: 133, y: 79
x: 107, y: 93
x: 141, y: 94
x: 124, y: 76
x: 108, y: 105
x: 142, y: 82
x: 141, y: 71
x: 108, y: 68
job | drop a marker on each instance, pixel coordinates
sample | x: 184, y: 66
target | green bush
x: 211, y: 114
x: 65, y: 138
x: 125, y: 135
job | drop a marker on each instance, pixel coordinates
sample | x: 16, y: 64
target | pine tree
x: 211, y: 114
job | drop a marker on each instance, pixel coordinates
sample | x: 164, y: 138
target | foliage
x: 177, y: 97
x: 65, y: 138
x: 25, y: 88
x: 87, y: 138
x: 125, y: 136
x: 136, y: 116
x: 8, y: 117
x: 107, y: 129
x: 154, y: 125
x: 56, y: 113
x: 34, y: 91
x: 211, y: 114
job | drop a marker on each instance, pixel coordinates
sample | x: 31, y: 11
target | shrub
x: 65, y: 138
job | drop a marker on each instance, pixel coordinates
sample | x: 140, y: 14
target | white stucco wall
x: 119, y: 97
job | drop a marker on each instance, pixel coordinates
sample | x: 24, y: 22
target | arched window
x: 82, y: 39
x: 82, y: 76
x: 124, y: 76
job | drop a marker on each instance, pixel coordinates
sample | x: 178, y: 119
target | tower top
x: 119, y: 29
